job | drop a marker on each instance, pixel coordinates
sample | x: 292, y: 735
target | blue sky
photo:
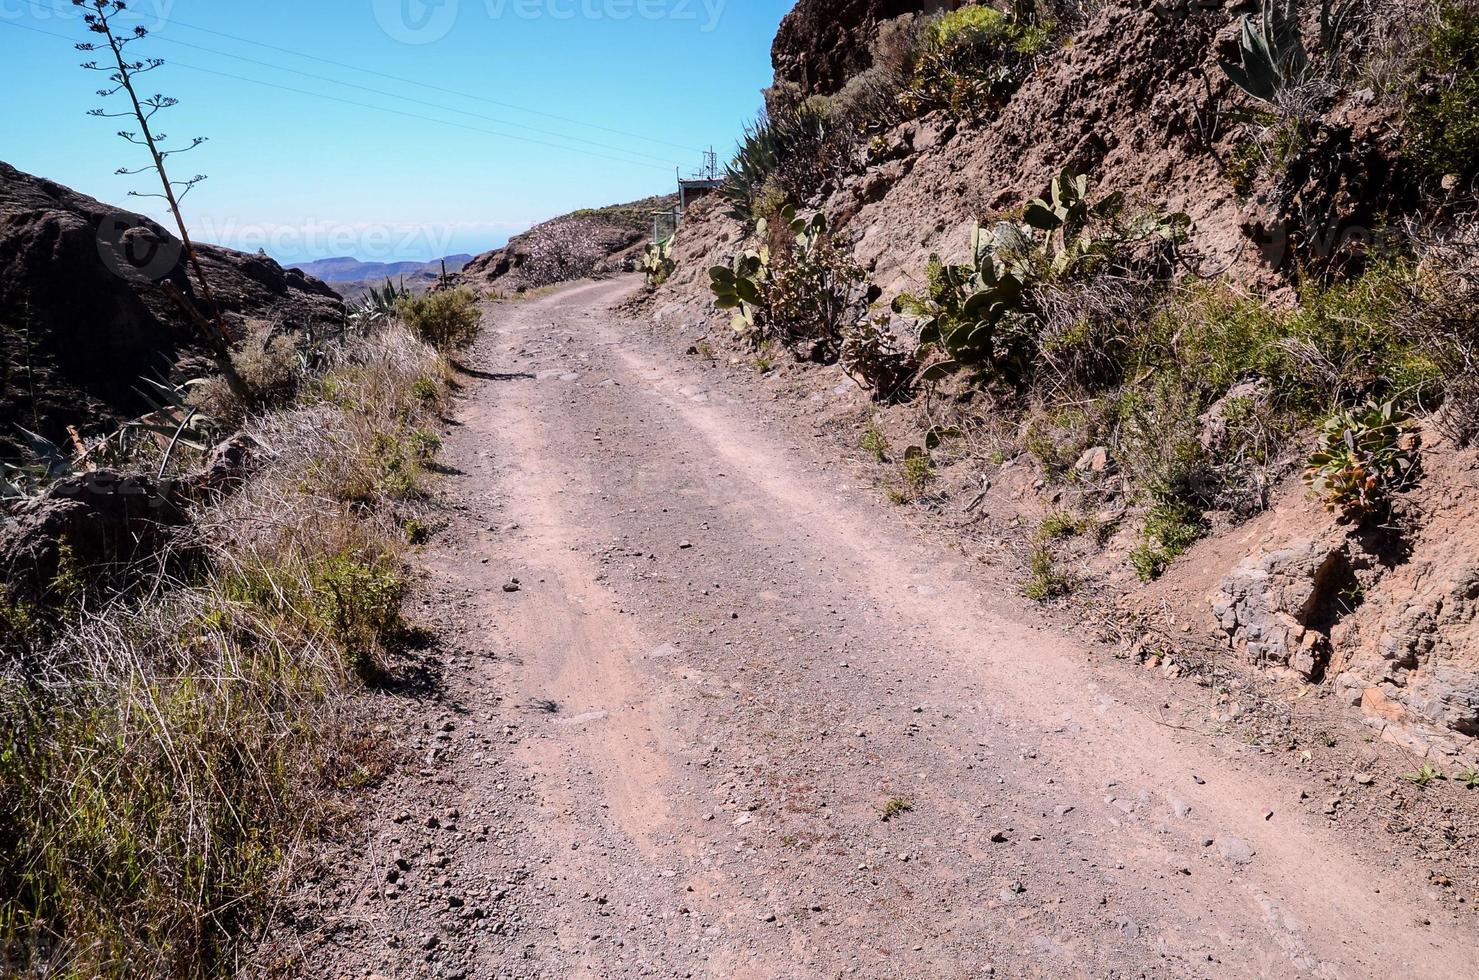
x: 311, y: 158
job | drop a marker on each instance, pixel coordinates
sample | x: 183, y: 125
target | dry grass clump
x: 268, y: 361
x: 163, y: 760
x: 1443, y: 316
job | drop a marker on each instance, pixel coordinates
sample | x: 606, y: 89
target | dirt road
x: 734, y: 719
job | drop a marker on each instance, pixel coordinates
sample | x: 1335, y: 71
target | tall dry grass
x: 164, y: 758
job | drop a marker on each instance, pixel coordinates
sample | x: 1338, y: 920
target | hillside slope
x: 572, y: 246
x: 1383, y: 617
x: 82, y: 317
x: 352, y: 270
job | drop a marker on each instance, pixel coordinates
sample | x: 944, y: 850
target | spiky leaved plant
x: 123, y: 72
x: 1365, y: 455
x: 1271, y: 49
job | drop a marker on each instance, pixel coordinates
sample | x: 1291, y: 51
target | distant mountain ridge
x: 349, y: 269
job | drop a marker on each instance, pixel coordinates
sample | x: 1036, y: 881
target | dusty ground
x: 670, y: 746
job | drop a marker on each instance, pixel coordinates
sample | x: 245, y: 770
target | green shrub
x: 795, y: 286
x: 1443, y: 108
x: 970, y: 60
x: 447, y: 319
x: 872, y: 356
x: 1171, y: 528
x: 358, y: 603
x: 1045, y: 581
x: 1243, y: 166
x: 1343, y: 342
x: 1365, y: 455
x: 425, y: 390
x: 1064, y: 524
x: 917, y: 471
x: 875, y: 443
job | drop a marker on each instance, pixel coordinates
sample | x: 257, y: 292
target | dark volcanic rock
x: 823, y: 43
x: 108, y: 521
x: 82, y: 317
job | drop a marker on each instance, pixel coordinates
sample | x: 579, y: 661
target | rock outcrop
x: 569, y: 247
x: 82, y: 316
x: 93, y: 525
x: 1276, y: 607
x: 823, y: 43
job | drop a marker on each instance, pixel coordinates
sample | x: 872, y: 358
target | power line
x: 410, y: 81
x: 373, y: 108
x: 411, y: 99
x: 406, y: 98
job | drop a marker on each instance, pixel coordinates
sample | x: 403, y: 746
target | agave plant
x: 766, y: 145
x: 1272, y: 53
x: 174, y: 419
x: 379, y: 305
x: 49, y: 464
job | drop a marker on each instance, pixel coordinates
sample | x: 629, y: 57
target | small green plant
x: 1045, y: 582
x: 1062, y: 525
x: 1365, y: 455
x: 416, y: 531
x: 1443, y: 107
x: 875, y: 442
x: 447, y: 319
x: 705, y: 350
x: 897, y: 807
x: 425, y: 390
x: 917, y: 471
x: 1243, y: 166
x: 359, y: 604
x: 1425, y: 776
x: 1171, y: 528
x: 764, y: 357
x: 657, y: 262
x: 423, y: 445
x: 1469, y: 778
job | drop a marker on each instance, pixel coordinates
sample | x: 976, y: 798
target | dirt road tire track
x: 722, y: 663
